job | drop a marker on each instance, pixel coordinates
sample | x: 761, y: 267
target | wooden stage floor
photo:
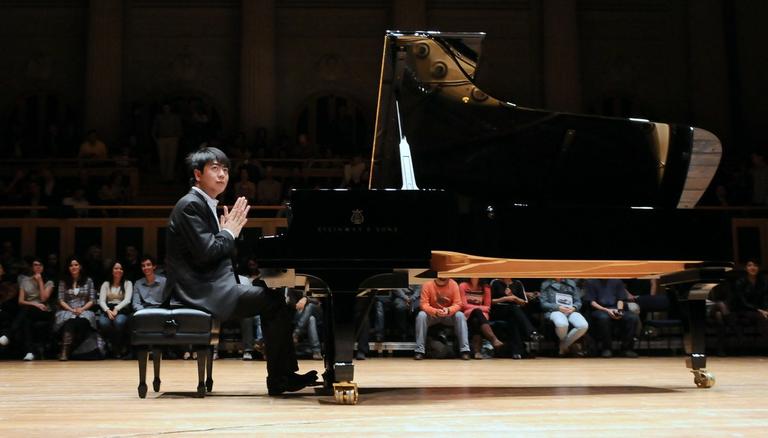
x: 542, y: 397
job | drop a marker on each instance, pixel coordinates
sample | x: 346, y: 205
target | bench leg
x: 209, y: 370
x: 157, y: 356
x: 142, y: 354
x: 202, y: 356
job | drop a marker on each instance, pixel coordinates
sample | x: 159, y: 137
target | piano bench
x: 153, y: 329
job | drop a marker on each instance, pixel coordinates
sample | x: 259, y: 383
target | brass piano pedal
x: 345, y: 393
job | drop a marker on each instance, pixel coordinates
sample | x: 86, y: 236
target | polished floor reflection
x: 578, y: 397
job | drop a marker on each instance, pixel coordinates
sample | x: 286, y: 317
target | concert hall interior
x: 522, y: 217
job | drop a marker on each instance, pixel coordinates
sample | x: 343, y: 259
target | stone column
x: 409, y: 15
x: 709, y: 94
x: 104, y: 69
x: 257, y: 67
x: 560, y: 57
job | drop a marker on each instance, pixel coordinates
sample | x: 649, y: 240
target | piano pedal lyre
x: 345, y: 393
x: 703, y: 378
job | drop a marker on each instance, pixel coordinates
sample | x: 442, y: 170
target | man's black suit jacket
x: 198, y: 261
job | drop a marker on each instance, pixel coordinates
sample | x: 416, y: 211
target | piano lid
x: 436, y: 129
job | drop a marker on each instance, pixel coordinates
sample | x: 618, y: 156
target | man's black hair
x: 199, y: 158
x: 148, y: 257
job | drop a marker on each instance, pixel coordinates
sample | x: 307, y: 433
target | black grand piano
x: 466, y: 185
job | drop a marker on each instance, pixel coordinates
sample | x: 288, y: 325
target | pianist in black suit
x: 200, y: 271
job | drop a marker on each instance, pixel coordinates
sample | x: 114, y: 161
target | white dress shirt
x: 212, y: 203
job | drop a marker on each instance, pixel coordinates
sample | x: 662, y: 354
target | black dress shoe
x: 291, y: 383
x: 309, y: 376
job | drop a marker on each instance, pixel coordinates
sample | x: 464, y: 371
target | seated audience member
x: 441, y: 304
x: 77, y: 202
x: 8, y: 306
x: 476, y: 305
x: 402, y: 302
x: 94, y: 264
x: 50, y: 188
x: 74, y: 319
x: 748, y: 303
x: 93, y: 148
x: 113, y: 192
x: 308, y: 315
x: 52, y: 268
x: 508, y: 297
x: 362, y: 317
x: 115, y: 302
x: 607, y: 299
x: 148, y: 291
x: 647, y: 297
x: 132, y: 264
x: 354, y: 173
x: 561, y: 299
x: 269, y: 191
x: 245, y: 187
x: 13, y: 265
x: 33, y: 321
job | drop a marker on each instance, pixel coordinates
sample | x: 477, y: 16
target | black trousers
x: 518, y: 327
x: 32, y: 325
x: 476, y: 321
x: 276, y: 325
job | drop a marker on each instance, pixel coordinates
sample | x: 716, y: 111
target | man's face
x: 213, y: 179
x: 147, y: 267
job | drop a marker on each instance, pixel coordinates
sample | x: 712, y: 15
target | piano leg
x: 341, y: 325
x: 340, y: 334
x: 693, y: 308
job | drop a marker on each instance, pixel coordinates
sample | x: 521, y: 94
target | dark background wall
x: 692, y: 61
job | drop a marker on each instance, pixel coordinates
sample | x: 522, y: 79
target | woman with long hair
x: 115, y: 302
x: 74, y: 320
x: 34, y: 318
x: 748, y: 304
x: 476, y: 305
x: 745, y: 303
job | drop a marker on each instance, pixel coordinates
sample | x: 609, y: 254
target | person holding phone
x: 607, y: 299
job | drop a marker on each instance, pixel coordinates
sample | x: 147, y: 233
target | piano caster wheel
x: 143, y: 390
x: 156, y: 385
x: 703, y: 378
x: 345, y: 393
